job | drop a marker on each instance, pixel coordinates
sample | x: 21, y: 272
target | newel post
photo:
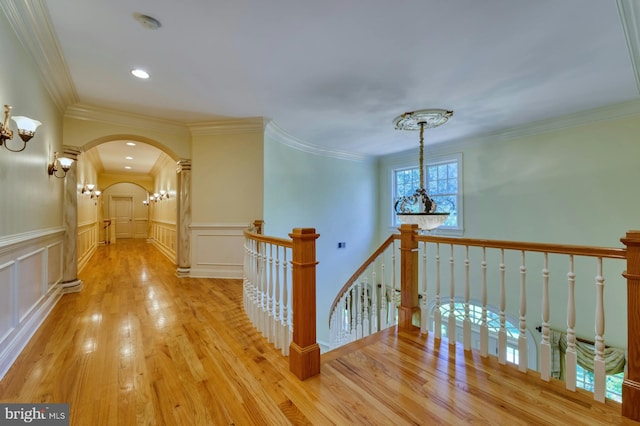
x: 631, y: 384
x: 304, y: 352
x: 409, y: 310
x: 258, y: 224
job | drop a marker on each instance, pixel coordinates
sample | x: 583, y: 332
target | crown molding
x: 227, y: 126
x: 629, y: 11
x: 275, y: 132
x: 30, y: 20
x: 113, y: 117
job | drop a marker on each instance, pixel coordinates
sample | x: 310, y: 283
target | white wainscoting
x: 88, y: 236
x: 30, y: 269
x: 141, y: 228
x: 217, y: 250
x: 164, y: 237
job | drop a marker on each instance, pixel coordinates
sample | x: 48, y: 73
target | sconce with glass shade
x: 419, y: 208
x: 26, y: 129
x: 58, y: 163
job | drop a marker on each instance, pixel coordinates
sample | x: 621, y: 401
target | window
x: 613, y: 385
x: 443, y: 177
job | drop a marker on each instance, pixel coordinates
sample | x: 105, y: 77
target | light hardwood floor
x: 140, y: 346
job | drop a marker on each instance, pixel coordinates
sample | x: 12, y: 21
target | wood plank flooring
x: 138, y: 346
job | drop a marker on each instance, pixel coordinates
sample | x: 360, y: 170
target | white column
x: 183, y: 253
x: 70, y: 282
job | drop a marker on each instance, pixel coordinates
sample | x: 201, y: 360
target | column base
x: 73, y: 286
x: 408, y: 318
x: 304, y: 362
x: 183, y: 272
x: 631, y: 399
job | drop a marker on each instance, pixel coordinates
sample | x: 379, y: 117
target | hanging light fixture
x: 419, y: 208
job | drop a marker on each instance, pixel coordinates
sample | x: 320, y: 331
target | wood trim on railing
x: 269, y: 240
x: 361, y: 270
x: 604, y: 252
x: 631, y: 384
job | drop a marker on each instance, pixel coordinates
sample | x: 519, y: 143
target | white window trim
x: 457, y: 157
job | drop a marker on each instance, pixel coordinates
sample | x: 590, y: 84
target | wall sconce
x: 88, y: 187
x: 96, y: 193
x: 164, y: 194
x: 62, y: 162
x: 26, y: 129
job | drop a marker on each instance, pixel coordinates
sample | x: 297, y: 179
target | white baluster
x: 545, y: 346
x: 522, y: 336
x: 451, y: 326
x: 599, y: 375
x: 437, y: 315
x: 366, y: 325
x: 277, y: 319
x: 383, y: 301
x: 286, y: 299
x: 502, y: 333
x: 374, y: 304
x: 484, y: 329
x: 394, y: 309
x: 571, y: 355
x: 359, y: 310
x: 424, y: 316
x: 467, y: 322
x: 269, y: 313
x: 354, y: 305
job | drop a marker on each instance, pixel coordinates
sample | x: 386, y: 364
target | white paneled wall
x: 217, y: 250
x: 164, y: 237
x: 30, y: 268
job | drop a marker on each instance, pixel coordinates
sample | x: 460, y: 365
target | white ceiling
x: 334, y: 73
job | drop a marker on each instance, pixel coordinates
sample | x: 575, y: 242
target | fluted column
x: 183, y: 253
x: 70, y: 281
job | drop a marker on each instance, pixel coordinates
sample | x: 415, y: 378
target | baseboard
x: 15, y: 342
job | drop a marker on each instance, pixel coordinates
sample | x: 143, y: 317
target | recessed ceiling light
x: 131, y: 144
x: 140, y: 73
x: 128, y: 158
x: 127, y: 167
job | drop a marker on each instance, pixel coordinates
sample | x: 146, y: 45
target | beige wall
x: 23, y: 174
x: 227, y: 178
x: 164, y: 179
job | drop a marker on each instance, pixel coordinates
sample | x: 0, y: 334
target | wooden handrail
x: 604, y: 252
x: 269, y: 240
x: 361, y: 269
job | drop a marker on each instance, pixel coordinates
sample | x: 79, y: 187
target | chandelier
x: 419, y: 208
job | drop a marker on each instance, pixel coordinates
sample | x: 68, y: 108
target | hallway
x: 140, y: 346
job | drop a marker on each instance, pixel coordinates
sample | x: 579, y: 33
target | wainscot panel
x: 217, y: 250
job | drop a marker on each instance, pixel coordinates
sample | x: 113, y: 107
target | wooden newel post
x: 258, y: 224
x: 409, y: 310
x: 631, y: 384
x: 304, y: 352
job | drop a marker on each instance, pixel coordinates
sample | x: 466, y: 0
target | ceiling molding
x: 629, y: 11
x: 227, y: 127
x: 107, y: 116
x: 30, y: 21
x: 275, y: 132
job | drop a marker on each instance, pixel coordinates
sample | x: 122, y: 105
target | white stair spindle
x: 522, y: 336
x: 502, y: 333
x: 374, y: 303
x: 286, y: 300
x: 451, y: 325
x: 571, y: 357
x: 545, y: 346
x: 277, y: 321
x: 366, y: 326
x: 599, y: 375
x: 394, y: 308
x: 484, y: 328
x: 270, y: 297
x: 437, y: 315
x: 467, y: 322
x: 383, y: 301
x: 359, y: 310
x: 354, y: 304
x: 424, y: 316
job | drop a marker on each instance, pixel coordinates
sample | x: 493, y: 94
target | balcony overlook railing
x: 431, y: 283
x: 466, y: 288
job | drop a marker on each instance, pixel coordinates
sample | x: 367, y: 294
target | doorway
x: 122, y: 208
